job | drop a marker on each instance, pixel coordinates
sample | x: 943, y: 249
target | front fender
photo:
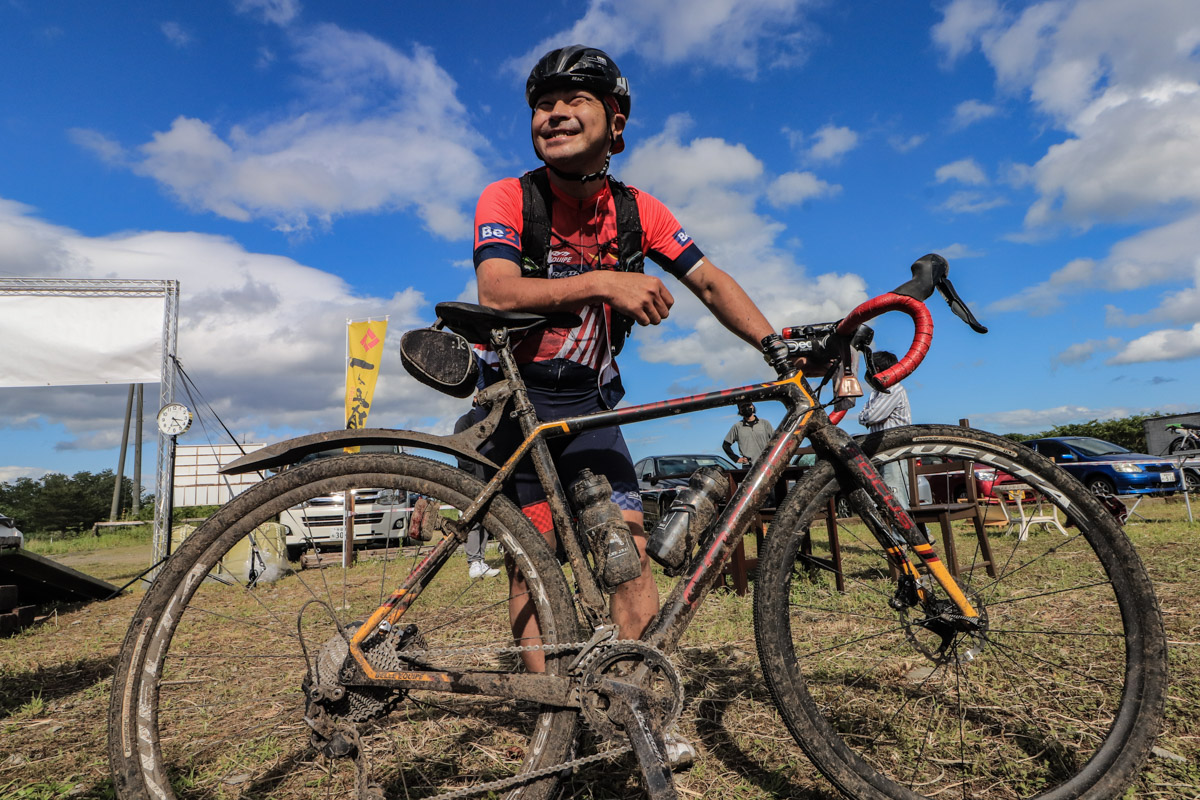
x: 282, y: 454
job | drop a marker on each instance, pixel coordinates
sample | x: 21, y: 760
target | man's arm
x: 728, y: 302
x: 643, y: 297
x: 729, y: 452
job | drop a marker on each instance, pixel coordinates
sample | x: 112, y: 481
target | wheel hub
x: 940, y: 633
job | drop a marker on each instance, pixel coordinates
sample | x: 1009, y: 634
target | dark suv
x: 1107, y: 468
x: 660, y: 477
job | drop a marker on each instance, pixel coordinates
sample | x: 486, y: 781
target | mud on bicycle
x: 1039, y: 673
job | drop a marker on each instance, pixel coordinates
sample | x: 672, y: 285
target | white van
x: 380, y: 515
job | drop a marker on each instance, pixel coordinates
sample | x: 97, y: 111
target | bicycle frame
x: 804, y: 418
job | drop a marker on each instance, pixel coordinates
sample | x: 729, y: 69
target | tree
x: 1126, y: 431
x: 60, y: 503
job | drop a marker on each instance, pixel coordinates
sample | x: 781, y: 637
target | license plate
x: 337, y: 533
x: 1168, y: 477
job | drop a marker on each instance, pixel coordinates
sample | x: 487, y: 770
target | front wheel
x: 209, y: 695
x: 1101, y: 487
x: 1177, y: 444
x: 1056, y: 690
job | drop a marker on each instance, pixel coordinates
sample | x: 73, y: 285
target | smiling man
x: 568, y: 237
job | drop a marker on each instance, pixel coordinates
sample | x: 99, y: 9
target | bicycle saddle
x: 475, y: 323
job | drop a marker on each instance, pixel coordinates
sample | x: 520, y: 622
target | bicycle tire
x: 1060, y: 697
x: 1177, y: 444
x: 207, y: 697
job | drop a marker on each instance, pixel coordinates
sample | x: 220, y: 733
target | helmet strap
x: 575, y: 176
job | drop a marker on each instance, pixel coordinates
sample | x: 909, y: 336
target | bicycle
x: 1048, y: 679
x: 1187, y: 437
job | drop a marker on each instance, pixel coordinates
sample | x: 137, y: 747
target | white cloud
x: 278, y: 12
x: 969, y: 112
x: 714, y: 188
x: 415, y: 149
x: 262, y: 335
x: 8, y: 474
x: 962, y: 23
x: 1029, y: 420
x: 904, y: 144
x: 1162, y: 345
x: 966, y: 170
x: 175, y: 34
x: 832, y: 142
x: 958, y: 250
x: 794, y: 188
x: 738, y: 34
x: 1083, y: 351
x: 972, y: 202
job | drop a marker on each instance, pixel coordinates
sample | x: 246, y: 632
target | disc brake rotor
x: 942, y: 635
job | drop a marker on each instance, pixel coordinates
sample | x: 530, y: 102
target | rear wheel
x: 1055, y: 690
x: 1101, y: 487
x: 209, y: 698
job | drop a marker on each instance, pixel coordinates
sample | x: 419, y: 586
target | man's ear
x: 617, y: 125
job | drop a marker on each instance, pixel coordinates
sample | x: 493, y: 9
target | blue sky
x: 297, y: 163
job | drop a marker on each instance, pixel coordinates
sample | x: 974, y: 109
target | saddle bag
x: 441, y: 359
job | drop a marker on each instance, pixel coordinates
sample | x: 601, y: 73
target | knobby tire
x: 207, y: 698
x: 1060, y: 697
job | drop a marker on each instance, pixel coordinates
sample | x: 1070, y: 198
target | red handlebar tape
x: 922, y: 331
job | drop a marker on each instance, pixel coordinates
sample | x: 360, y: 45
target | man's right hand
x: 643, y: 297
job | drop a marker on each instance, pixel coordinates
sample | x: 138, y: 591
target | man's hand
x: 643, y: 297
x: 743, y: 460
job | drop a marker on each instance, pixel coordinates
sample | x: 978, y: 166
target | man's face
x: 571, y: 131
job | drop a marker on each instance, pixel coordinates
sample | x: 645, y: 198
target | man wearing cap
x: 750, y: 434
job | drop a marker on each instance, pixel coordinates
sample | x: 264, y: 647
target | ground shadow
x: 52, y: 682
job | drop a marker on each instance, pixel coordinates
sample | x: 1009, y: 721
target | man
x: 884, y: 411
x: 580, y: 103
x: 750, y: 434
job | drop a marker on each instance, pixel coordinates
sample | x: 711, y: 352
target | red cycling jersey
x: 583, y: 237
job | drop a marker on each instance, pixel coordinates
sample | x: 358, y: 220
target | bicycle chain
x: 387, y: 653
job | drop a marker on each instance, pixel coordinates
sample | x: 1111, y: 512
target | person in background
x: 477, y: 537
x: 750, y: 434
x: 886, y: 410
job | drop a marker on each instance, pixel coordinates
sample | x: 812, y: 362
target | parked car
x: 661, y: 477
x: 1107, y: 468
x: 951, y: 487
x: 380, y: 515
x: 8, y: 530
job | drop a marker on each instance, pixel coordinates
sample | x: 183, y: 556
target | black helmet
x: 581, y: 66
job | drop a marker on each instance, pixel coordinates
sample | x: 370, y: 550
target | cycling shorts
x: 559, y: 388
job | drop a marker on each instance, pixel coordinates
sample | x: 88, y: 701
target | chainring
x: 636, y: 663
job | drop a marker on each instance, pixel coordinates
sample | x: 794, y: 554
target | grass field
x: 55, y: 680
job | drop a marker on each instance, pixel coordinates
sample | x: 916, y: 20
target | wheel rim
x: 231, y: 707
x: 1010, y: 710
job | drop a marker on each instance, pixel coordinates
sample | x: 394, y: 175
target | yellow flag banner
x: 362, y: 369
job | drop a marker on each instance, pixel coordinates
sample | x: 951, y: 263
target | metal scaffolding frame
x: 120, y: 287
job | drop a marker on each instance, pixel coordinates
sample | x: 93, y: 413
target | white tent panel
x: 72, y: 341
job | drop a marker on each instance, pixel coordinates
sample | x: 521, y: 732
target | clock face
x: 174, y: 419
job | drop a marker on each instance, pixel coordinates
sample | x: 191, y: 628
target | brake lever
x: 930, y: 272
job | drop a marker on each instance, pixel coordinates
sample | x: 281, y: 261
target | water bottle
x: 694, y: 508
x: 604, y: 528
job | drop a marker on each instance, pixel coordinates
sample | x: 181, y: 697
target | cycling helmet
x: 585, y: 67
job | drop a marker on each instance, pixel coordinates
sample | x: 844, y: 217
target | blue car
x: 1107, y: 468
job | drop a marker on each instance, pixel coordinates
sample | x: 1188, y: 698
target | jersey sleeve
x: 498, y: 222
x: 667, y: 243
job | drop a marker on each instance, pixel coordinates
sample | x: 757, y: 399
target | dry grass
x: 55, y: 679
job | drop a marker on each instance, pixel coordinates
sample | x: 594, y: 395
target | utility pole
x: 137, y: 455
x: 116, y: 499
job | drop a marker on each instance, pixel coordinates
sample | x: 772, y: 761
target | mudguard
x: 287, y: 452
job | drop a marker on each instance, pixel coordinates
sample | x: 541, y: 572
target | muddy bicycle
x: 1043, y: 675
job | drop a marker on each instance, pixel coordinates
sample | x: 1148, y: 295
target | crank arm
x: 645, y: 735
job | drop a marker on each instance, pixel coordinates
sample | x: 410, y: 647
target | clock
x: 174, y: 419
